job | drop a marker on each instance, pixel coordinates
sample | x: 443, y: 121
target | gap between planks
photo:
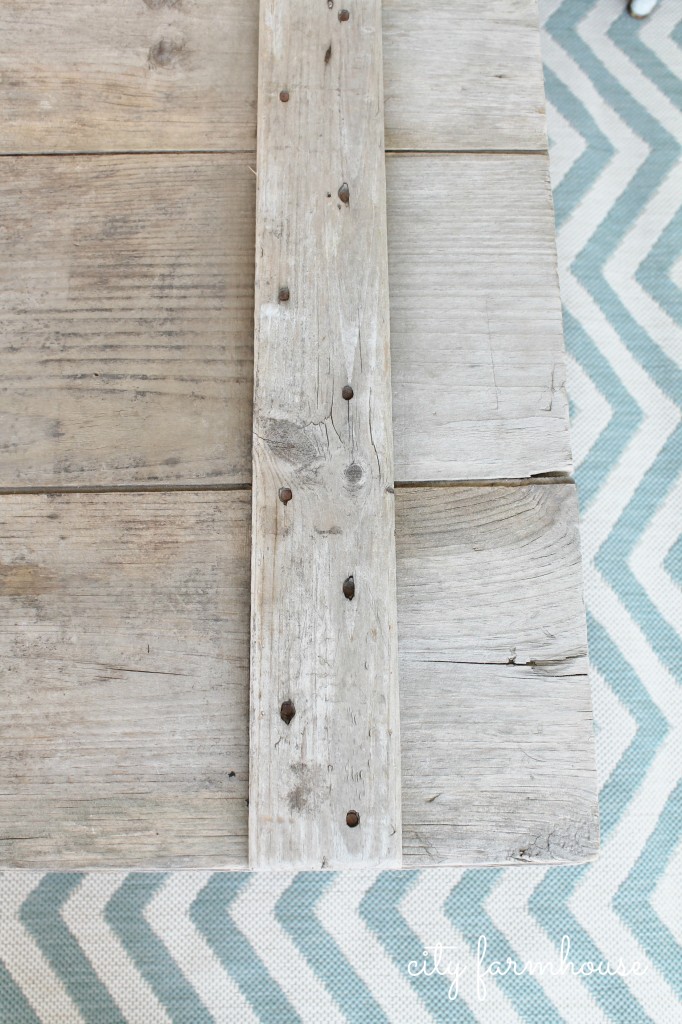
x: 251, y: 152
x: 558, y: 478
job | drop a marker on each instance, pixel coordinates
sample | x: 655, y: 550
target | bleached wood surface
x: 126, y: 330
x: 476, y: 329
x: 497, y: 744
x: 124, y: 678
x: 323, y: 602
x: 147, y: 75
x: 126, y: 326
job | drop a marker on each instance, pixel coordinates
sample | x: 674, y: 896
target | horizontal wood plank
x: 132, y: 75
x: 126, y: 335
x: 124, y: 678
x: 476, y: 330
x: 497, y: 743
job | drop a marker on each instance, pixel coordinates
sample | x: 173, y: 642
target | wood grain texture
x: 323, y: 619
x: 463, y: 79
x: 126, y: 334
x: 477, y: 565
x: 497, y: 749
x: 126, y: 330
x: 131, y: 75
x: 124, y: 679
x: 498, y: 764
x: 109, y: 757
x: 476, y: 330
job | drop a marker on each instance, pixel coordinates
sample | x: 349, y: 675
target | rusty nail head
x: 352, y: 819
x: 287, y: 711
x: 344, y: 15
x: 349, y: 588
x: 344, y: 193
x: 347, y: 392
x: 284, y: 96
x: 285, y: 495
x: 283, y: 294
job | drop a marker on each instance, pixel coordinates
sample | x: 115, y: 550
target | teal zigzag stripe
x: 40, y: 915
x: 380, y: 910
x: 210, y: 913
x: 632, y: 901
x: 125, y: 915
x: 14, y: 1006
x: 295, y: 911
x: 464, y: 906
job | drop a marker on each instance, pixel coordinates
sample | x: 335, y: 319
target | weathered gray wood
x: 127, y: 321
x: 124, y: 679
x: 323, y: 604
x: 85, y: 76
x: 126, y: 327
x: 463, y: 78
x: 497, y: 744
x: 498, y: 764
x: 113, y: 754
x: 476, y: 331
x: 478, y: 565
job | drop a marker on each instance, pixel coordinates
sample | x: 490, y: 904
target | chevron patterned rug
x: 418, y: 947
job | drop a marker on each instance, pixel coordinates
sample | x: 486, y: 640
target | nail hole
x: 283, y: 294
x: 344, y: 15
x: 287, y: 711
x: 284, y: 96
x: 347, y: 392
x: 344, y: 193
x: 285, y: 495
x: 349, y: 588
x: 352, y: 819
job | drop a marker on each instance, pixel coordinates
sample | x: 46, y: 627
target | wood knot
x: 347, y: 392
x: 349, y: 588
x: 344, y: 15
x: 352, y: 819
x: 353, y: 474
x: 166, y: 52
x: 285, y: 495
x: 284, y: 96
x: 283, y: 294
x: 344, y: 193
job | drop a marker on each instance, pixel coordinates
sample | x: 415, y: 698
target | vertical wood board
x: 325, y: 784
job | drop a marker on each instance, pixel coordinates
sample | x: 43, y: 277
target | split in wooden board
x: 150, y: 75
x: 127, y: 333
x: 124, y: 678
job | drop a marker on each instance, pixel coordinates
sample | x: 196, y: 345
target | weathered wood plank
x: 126, y: 334
x: 476, y: 331
x: 324, y: 787
x: 109, y: 757
x: 497, y: 744
x: 83, y: 76
x: 478, y: 564
x: 498, y: 764
x: 463, y: 79
x: 124, y: 679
